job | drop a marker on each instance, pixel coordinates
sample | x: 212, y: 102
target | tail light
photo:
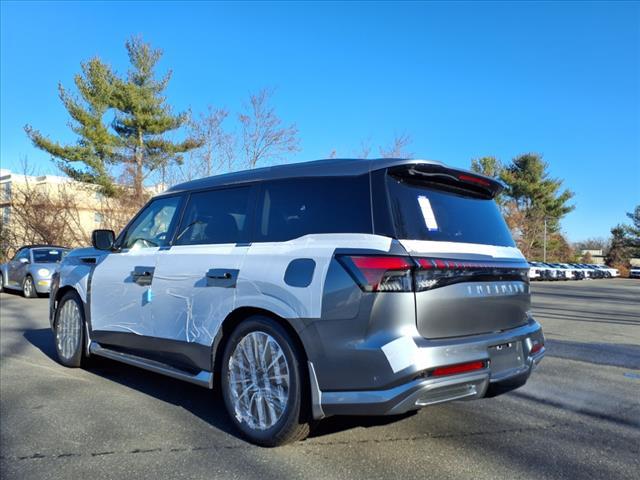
x: 473, y: 179
x: 380, y: 273
x: 433, y: 272
x: 536, y: 347
x: 374, y: 273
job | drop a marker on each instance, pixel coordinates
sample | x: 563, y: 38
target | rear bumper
x: 424, y: 390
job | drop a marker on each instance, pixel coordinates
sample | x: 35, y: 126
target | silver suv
x: 359, y: 287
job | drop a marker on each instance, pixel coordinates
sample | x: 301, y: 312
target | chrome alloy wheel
x: 28, y: 287
x: 258, y: 381
x: 68, y: 329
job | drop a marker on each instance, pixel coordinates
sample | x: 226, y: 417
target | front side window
x: 216, y: 216
x: 24, y: 253
x: 295, y: 207
x: 152, y: 227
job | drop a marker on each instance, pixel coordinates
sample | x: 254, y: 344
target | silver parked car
x: 31, y: 268
x: 336, y: 287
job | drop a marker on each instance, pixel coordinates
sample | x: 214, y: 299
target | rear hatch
x: 470, y: 278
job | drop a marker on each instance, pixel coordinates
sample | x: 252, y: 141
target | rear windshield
x: 421, y: 213
x: 52, y: 255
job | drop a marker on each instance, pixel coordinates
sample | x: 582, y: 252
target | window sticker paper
x: 427, y: 213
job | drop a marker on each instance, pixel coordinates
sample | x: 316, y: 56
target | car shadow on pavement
x: 342, y: 423
x: 205, y: 404
x: 10, y: 291
x: 42, y: 338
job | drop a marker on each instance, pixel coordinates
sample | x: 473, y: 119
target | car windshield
x: 48, y: 255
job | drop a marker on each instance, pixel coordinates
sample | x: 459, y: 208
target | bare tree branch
x: 365, y: 149
x: 264, y: 138
x: 398, y: 147
x: 217, y: 153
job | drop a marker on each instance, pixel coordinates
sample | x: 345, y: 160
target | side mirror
x: 24, y: 260
x: 103, y: 239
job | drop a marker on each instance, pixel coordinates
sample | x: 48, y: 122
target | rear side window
x: 216, y: 216
x: 295, y: 207
x: 421, y: 213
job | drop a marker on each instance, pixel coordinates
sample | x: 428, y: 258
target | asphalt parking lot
x: 578, y: 417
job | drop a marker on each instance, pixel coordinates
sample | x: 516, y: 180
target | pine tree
x: 488, y: 166
x: 491, y: 167
x: 88, y: 159
x: 534, y: 198
x: 619, y: 252
x: 143, y: 117
x: 633, y: 231
x: 135, y: 139
x: 528, y: 183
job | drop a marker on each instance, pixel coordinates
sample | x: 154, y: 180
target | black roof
x: 335, y: 167
x: 41, y: 245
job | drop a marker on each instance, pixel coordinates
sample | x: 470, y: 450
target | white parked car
x: 544, y: 271
x: 561, y: 273
x: 570, y: 273
x: 610, y: 272
x: 634, y: 272
x: 576, y: 273
x: 535, y: 273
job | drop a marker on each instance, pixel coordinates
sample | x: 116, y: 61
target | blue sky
x: 463, y: 79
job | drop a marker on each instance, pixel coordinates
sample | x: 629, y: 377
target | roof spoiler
x: 455, y: 179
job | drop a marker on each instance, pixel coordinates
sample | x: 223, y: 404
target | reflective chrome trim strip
x: 409, y: 396
x: 202, y: 378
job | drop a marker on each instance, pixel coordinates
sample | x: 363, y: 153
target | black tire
x: 294, y: 423
x: 1, y: 282
x: 76, y: 359
x: 29, y: 288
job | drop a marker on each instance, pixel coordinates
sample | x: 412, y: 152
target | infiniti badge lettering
x: 496, y: 289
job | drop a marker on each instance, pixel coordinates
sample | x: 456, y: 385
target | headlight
x: 44, y: 272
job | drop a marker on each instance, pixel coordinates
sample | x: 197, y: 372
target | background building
x: 56, y: 210
x: 597, y: 256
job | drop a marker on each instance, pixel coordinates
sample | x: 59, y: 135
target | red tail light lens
x: 434, y: 272
x: 380, y: 273
x: 536, y: 347
x: 459, y: 368
x: 473, y: 179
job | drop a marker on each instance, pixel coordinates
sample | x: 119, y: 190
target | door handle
x: 222, y: 277
x: 142, y: 275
